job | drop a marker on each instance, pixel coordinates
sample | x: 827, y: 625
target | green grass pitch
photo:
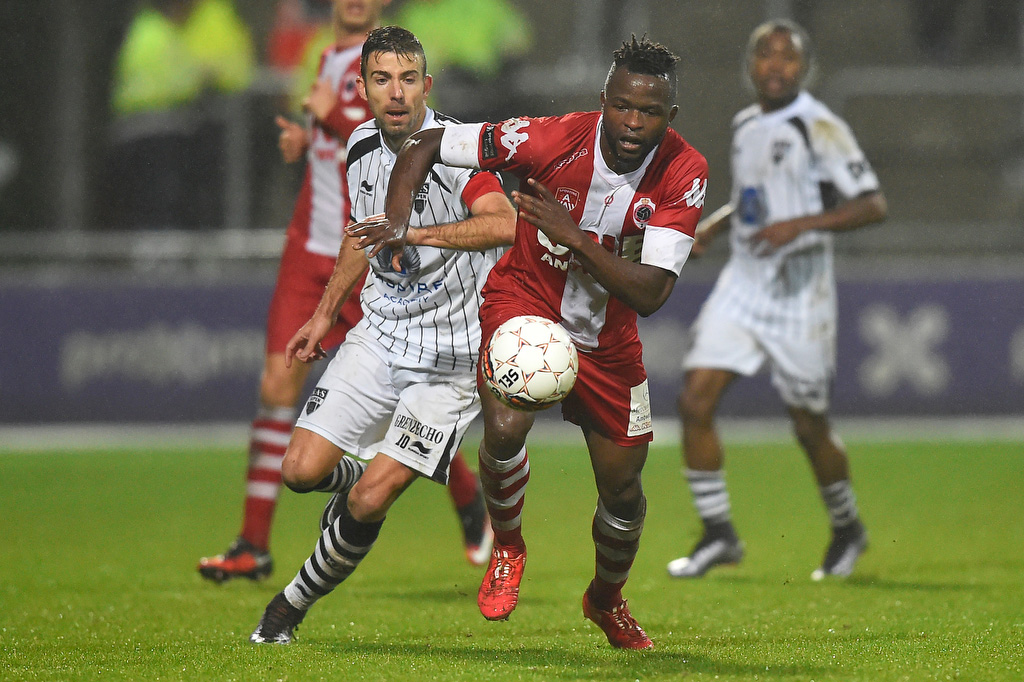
x: 98, y: 581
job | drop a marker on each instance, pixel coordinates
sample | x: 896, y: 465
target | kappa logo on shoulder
x: 511, y: 138
x: 695, y: 195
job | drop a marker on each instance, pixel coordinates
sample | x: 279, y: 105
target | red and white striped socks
x: 271, y: 431
x: 504, y: 484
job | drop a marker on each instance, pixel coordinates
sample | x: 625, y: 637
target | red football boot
x: 242, y: 560
x: 499, y: 592
x: 619, y: 626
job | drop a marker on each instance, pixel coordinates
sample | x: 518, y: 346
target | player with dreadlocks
x: 607, y: 209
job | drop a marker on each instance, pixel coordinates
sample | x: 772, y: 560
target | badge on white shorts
x: 316, y: 400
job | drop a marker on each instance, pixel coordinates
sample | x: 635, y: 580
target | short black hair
x: 394, y: 39
x: 645, y: 57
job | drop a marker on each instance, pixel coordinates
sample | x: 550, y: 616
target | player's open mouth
x: 396, y: 115
x: 629, y: 145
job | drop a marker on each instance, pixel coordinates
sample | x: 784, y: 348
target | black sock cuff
x: 358, y: 533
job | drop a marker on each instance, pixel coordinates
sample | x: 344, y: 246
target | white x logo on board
x: 904, y: 350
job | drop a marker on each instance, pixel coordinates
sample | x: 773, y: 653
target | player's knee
x: 300, y: 470
x: 503, y: 438
x: 812, y: 431
x: 623, y: 498
x: 696, y: 408
x: 278, y: 390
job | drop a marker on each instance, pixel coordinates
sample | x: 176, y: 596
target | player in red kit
x: 607, y: 212
x: 312, y: 242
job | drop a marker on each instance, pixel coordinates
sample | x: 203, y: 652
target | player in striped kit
x: 798, y: 177
x: 312, y: 241
x: 606, y: 220
x: 401, y: 390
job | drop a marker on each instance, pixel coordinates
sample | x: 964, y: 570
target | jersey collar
x: 789, y: 110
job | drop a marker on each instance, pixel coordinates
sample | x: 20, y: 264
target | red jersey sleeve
x: 479, y: 185
x: 685, y: 185
x: 515, y: 145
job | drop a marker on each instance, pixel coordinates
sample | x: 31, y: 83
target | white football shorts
x: 802, y: 367
x: 372, y: 401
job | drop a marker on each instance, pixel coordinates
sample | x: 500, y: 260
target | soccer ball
x: 530, y: 363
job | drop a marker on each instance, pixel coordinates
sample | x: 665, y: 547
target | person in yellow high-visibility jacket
x: 217, y: 37
x: 174, y: 52
x: 472, y: 61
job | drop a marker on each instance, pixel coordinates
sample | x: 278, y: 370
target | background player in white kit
x: 798, y: 175
x: 402, y: 389
x: 334, y: 109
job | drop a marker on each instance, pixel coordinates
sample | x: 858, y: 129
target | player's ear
x: 361, y: 87
x: 672, y: 112
x: 428, y: 82
x: 602, y: 99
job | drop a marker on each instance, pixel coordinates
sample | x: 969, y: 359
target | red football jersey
x: 665, y: 194
x: 322, y: 208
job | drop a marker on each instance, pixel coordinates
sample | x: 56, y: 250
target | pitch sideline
x: 47, y: 437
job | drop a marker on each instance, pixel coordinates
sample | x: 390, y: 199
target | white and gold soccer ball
x: 530, y: 363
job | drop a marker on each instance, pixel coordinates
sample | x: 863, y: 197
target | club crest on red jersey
x: 643, y: 209
x: 567, y: 197
x: 347, y: 87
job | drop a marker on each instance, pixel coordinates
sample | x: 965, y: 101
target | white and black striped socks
x: 339, y: 551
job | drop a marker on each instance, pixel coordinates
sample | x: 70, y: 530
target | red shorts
x: 301, y: 280
x: 610, y: 395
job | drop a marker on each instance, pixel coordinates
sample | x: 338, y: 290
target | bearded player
x: 312, y: 242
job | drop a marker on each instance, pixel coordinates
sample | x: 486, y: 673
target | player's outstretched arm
x: 492, y: 223
x: 857, y: 212
x: 305, y: 344
x: 417, y: 155
x: 644, y: 288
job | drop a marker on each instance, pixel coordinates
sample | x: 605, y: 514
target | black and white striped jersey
x: 429, y: 310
